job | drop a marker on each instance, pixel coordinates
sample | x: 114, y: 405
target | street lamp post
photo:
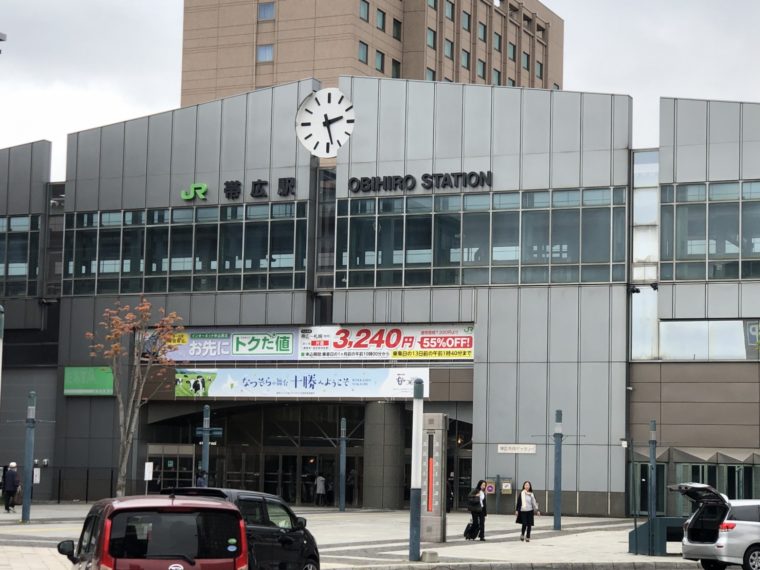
x: 31, y: 420
x: 558, y: 470
x: 415, y: 492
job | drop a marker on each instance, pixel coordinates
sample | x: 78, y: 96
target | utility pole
x: 652, y: 487
x: 558, y: 470
x: 342, y: 463
x: 415, y: 492
x: 31, y: 420
x: 206, y: 438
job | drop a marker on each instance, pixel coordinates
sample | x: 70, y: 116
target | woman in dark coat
x: 526, y: 506
x: 478, y: 498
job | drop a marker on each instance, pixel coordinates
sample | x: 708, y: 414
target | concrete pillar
x: 383, y: 455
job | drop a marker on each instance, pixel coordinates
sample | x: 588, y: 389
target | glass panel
x: 34, y: 245
x: 84, y: 220
x: 423, y: 204
x: 666, y: 193
x: 565, y: 198
x: 179, y: 284
x: 505, y: 238
x: 666, y: 271
x: 566, y: 274
x: 361, y: 278
x: 475, y: 237
x: 281, y: 254
x: 690, y: 231
x: 645, y: 243
x: 255, y: 281
x: 535, y: 239
x: 300, y: 209
x: 645, y: 206
x: 535, y: 199
x: 158, y: 216
x: 132, y: 285
x: 341, y: 243
x: 619, y: 228
x: 257, y: 212
x: 690, y: 270
x: 230, y: 213
x: 419, y: 232
x: 181, y: 249
x: 417, y: 277
x: 596, y: 235
x: 666, y: 233
x: 723, y: 236
x: 229, y: 282
x: 132, y: 251
x: 110, y: 219
x: 155, y: 284
x: 477, y: 202
x: 618, y: 196
x: 504, y: 275
x: 391, y: 206
x: 182, y: 215
x: 684, y: 340
x: 475, y: 276
x: 445, y: 277
x: 362, y: 243
x: 690, y: 192
x: 751, y: 229
x: 565, y: 233
x: 388, y: 279
x: 81, y: 287
x: 596, y: 197
x: 230, y: 248
x: 280, y: 280
x: 283, y: 210
x: 751, y: 190
x: 447, y: 249
x: 207, y: 214
x: 595, y: 273
x: 84, y: 253
x: 363, y: 206
x: 204, y: 283
x: 157, y: 248
x: 645, y: 168
x: 301, y: 244
x: 390, y: 241
x: 510, y: 201
x: 724, y: 191
x: 447, y: 203
x: 256, y: 246
x: 109, y: 254
x: 206, y: 248
x: 343, y: 207
x: 535, y: 274
x: 618, y: 272
x: 723, y: 270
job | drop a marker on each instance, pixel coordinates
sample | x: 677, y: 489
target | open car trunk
x: 703, y: 526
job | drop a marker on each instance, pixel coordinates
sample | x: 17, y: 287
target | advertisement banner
x: 87, y: 381
x: 214, y: 344
x: 299, y: 382
x: 378, y: 342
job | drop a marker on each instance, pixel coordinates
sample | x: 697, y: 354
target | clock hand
x: 327, y: 123
x: 334, y: 120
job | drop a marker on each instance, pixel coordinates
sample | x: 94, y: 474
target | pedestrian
x: 319, y: 482
x: 201, y: 480
x: 526, y: 506
x: 11, y: 484
x: 477, y: 506
x: 450, y: 492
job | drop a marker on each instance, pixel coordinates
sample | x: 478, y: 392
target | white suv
x: 721, y: 531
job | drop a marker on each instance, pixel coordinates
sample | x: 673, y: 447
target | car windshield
x: 186, y: 535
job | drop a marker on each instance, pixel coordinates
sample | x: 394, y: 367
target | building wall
x: 320, y: 38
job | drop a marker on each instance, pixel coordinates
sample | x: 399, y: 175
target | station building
x: 507, y: 245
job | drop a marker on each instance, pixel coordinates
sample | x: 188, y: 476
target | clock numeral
x: 307, y: 137
x: 341, y: 99
x: 317, y: 100
x: 349, y: 108
x: 328, y: 147
x: 340, y: 145
x: 329, y: 98
x: 310, y: 113
x: 316, y: 144
x: 347, y: 133
x: 305, y: 124
x: 349, y: 120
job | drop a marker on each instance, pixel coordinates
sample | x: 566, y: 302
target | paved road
x: 379, y: 539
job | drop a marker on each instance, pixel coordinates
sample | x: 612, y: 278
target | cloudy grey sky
x: 70, y: 65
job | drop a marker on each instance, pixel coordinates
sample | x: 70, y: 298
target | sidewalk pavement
x: 374, y: 540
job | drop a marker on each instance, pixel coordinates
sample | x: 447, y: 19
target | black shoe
x: 481, y: 538
x: 522, y: 537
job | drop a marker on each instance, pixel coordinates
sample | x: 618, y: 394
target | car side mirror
x: 66, y: 547
x: 300, y: 523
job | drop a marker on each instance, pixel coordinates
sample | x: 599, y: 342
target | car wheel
x: 752, y: 558
x: 311, y: 565
x: 712, y: 565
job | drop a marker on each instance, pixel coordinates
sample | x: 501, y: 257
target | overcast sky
x: 70, y: 65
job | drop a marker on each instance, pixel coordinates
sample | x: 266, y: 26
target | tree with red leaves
x: 136, y: 346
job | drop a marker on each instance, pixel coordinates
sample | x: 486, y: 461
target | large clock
x: 324, y: 122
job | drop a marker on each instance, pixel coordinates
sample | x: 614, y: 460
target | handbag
x: 473, y: 504
x: 18, y: 498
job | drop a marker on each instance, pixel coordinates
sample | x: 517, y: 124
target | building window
x: 481, y: 66
x: 364, y: 10
x: 431, y: 38
x: 525, y: 61
x: 396, y: 29
x: 466, y: 21
x: 482, y: 31
x: 540, y: 31
x: 265, y: 53
x: 539, y: 70
x: 497, y: 41
x: 496, y: 77
x: 510, y: 82
x: 448, y: 49
x: 511, y: 51
x: 380, y: 20
x: 395, y: 68
x: 430, y: 74
x: 266, y: 11
x: 380, y: 61
x: 465, y: 59
x: 363, y: 52
x: 450, y: 10
x: 433, y: 4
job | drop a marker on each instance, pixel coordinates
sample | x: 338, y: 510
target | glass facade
x: 560, y: 236
x: 710, y: 231
x: 208, y: 248
x: 19, y: 255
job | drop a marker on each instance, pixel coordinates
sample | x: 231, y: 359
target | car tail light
x: 726, y: 526
x: 106, y: 560
x: 241, y: 562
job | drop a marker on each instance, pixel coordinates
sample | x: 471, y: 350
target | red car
x: 160, y: 533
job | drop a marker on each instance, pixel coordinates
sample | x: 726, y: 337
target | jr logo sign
x: 196, y: 191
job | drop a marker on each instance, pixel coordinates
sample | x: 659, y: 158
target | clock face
x: 324, y: 122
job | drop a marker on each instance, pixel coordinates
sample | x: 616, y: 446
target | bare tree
x: 136, y: 346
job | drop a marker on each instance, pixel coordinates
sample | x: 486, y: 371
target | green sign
x: 196, y: 191
x: 262, y: 343
x: 87, y: 381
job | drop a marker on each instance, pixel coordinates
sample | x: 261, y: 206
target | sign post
x: 558, y: 470
x: 415, y: 492
x: 434, y: 478
x: 342, y: 475
x: 148, y: 475
x: 31, y: 420
x: 206, y: 429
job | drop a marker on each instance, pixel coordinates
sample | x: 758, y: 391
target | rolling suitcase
x: 471, y: 531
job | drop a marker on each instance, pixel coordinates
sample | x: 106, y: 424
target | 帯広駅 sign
x: 299, y: 382
x: 372, y: 342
